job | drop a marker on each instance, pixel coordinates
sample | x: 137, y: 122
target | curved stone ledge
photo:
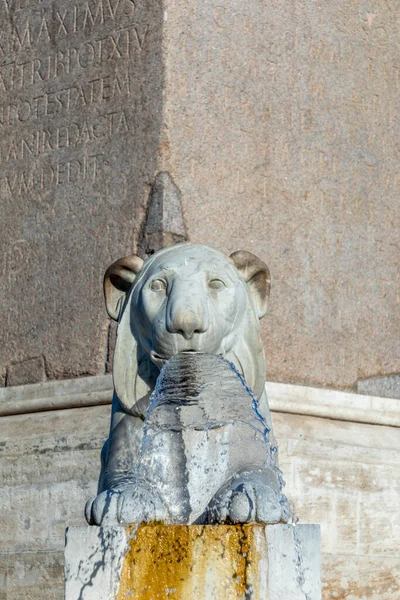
x: 283, y: 398
x: 333, y: 404
x: 56, y: 395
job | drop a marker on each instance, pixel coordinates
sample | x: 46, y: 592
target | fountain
x: 190, y: 501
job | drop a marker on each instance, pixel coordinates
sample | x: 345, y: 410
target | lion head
x: 185, y: 298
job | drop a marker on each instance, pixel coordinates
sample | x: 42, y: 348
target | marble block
x: 197, y: 562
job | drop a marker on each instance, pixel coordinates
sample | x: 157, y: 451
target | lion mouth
x: 157, y: 359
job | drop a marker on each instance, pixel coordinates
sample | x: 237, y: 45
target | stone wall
x: 277, y: 121
x: 340, y: 473
x: 80, y: 119
x: 282, y: 130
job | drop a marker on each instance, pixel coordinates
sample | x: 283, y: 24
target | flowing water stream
x: 206, y: 442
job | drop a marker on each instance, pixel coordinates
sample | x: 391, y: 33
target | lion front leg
x: 123, y: 504
x: 121, y: 497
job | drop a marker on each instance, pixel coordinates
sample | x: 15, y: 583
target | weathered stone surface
x: 164, y: 224
x: 346, y: 476
x: 361, y: 577
x: 388, y: 387
x: 278, y: 124
x: 80, y: 112
x: 214, y: 562
x: 343, y: 475
x: 282, y: 134
x: 282, y: 398
x: 94, y: 559
x: 32, y: 370
x: 29, y: 575
x: 55, y: 395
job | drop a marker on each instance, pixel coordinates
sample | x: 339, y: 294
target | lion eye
x: 158, y: 285
x: 216, y: 284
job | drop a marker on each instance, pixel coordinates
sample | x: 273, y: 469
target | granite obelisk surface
x: 276, y: 121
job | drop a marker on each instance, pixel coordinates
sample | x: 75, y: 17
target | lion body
x: 186, y: 298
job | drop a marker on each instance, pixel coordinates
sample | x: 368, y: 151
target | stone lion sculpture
x: 183, y: 299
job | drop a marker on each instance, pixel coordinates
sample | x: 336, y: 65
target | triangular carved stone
x: 164, y: 224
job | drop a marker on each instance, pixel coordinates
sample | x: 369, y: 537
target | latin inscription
x: 102, y: 91
x: 72, y: 135
x: 65, y: 88
x: 19, y: 75
x: 52, y: 25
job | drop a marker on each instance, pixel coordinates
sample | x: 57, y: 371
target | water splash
x: 201, y: 396
x: 299, y: 565
x: 273, y: 450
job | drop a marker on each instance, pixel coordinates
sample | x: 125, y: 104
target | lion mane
x: 134, y: 372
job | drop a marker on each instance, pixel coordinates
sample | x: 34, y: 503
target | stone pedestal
x: 222, y: 562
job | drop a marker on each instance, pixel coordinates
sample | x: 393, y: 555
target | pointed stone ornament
x: 164, y: 224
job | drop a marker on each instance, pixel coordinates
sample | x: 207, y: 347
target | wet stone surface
x: 224, y: 562
x: 206, y: 448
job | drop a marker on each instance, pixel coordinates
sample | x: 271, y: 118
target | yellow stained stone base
x: 197, y: 562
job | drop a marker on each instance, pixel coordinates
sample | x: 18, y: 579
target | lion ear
x: 257, y: 276
x: 117, y: 282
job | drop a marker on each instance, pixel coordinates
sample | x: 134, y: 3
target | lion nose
x: 186, y: 312
x: 186, y: 324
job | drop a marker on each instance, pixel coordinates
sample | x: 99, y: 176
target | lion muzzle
x: 187, y: 312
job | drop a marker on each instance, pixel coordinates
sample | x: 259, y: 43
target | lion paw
x: 246, y: 502
x: 124, y: 504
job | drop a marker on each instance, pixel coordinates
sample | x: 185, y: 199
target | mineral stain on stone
x: 180, y: 562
